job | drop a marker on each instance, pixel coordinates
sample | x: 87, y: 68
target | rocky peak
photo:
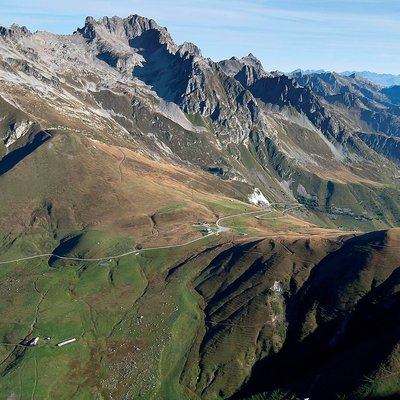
x: 124, y: 29
x: 332, y: 78
x: 125, y: 43
x: 244, y: 67
x: 131, y: 26
x: 252, y: 61
x: 232, y: 66
x: 14, y: 32
x: 15, y: 131
x: 189, y: 49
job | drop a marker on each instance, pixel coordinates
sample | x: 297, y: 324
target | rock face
x: 140, y: 48
x: 370, y: 106
x: 382, y: 144
x: 118, y: 41
x: 127, y: 77
x: 14, y: 32
x: 393, y: 93
x: 16, y: 131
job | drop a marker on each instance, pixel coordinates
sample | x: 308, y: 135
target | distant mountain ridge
x: 381, y: 79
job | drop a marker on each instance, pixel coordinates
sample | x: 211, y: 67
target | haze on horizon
x: 285, y: 35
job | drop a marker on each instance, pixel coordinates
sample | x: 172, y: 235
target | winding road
x: 220, y: 229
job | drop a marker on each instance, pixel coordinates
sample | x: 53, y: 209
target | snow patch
x: 258, y: 198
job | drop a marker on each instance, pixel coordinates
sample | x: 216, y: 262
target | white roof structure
x: 66, y: 342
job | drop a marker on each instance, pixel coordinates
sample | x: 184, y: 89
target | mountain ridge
x: 382, y: 79
x: 131, y: 66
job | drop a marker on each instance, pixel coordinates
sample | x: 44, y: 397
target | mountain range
x: 202, y: 229
x: 386, y: 80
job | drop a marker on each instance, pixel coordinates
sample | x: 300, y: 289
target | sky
x: 335, y: 35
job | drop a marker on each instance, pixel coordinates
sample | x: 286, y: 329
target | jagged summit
x: 127, y: 28
x: 234, y: 65
x: 251, y: 57
x: 137, y: 59
x: 253, y: 61
x: 15, y: 31
x: 190, y: 49
x: 125, y: 43
x: 131, y: 26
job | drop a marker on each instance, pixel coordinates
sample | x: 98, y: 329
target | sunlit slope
x: 71, y: 183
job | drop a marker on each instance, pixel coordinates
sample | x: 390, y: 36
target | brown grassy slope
x: 327, y: 285
x: 342, y: 325
x: 72, y: 182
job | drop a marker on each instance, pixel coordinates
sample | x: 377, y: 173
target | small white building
x: 34, y: 341
x: 66, y: 342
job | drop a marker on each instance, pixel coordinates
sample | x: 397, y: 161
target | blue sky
x: 284, y: 34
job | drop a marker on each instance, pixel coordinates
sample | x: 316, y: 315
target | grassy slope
x: 150, y: 331
x: 90, y: 184
x: 73, y: 300
x: 100, y: 304
x: 175, y: 350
